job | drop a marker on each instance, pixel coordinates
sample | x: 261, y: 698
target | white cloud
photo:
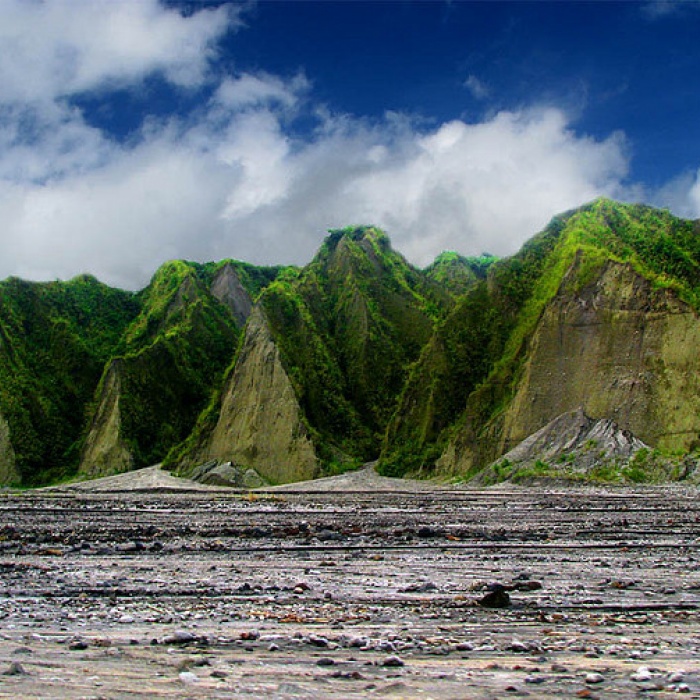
x: 231, y: 179
x: 249, y: 90
x: 661, y: 9
x: 40, y: 144
x: 251, y: 191
x: 478, y: 89
x: 681, y: 195
x: 54, y: 48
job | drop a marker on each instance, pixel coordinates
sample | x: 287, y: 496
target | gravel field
x: 145, y: 586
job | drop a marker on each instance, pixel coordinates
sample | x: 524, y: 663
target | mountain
x: 598, y: 311
x: 324, y: 358
x: 54, y: 340
x: 293, y: 373
x: 96, y: 380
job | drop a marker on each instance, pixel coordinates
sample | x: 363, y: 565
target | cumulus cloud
x: 681, y: 195
x: 233, y: 179
x: 248, y: 91
x: 56, y: 48
x: 250, y: 190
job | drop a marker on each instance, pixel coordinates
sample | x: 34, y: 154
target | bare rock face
x: 260, y: 424
x: 575, y: 431
x: 574, y: 443
x: 105, y: 451
x: 8, y: 469
x: 227, y: 288
x: 617, y: 348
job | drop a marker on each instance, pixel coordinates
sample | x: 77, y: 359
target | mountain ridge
x: 357, y: 356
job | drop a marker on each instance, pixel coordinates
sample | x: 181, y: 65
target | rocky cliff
x: 260, y: 424
x: 229, y: 290
x: 105, y: 450
x: 174, y: 356
x: 325, y: 357
x: 8, y: 464
x: 599, y: 311
x: 620, y: 349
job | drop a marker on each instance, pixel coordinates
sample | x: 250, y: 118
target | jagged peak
x: 357, y: 233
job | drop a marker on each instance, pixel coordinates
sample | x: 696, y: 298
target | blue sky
x: 133, y: 132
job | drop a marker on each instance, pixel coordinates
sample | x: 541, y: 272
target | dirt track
x: 349, y: 594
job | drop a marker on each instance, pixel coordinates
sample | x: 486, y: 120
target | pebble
x: 188, y: 677
x: 15, y: 669
x: 642, y: 675
x: 393, y: 661
x: 594, y: 677
x: 534, y: 680
x: 180, y: 637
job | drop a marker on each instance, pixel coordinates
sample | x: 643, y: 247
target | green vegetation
x: 469, y: 370
x: 385, y: 359
x: 457, y: 273
x: 54, y: 340
x: 347, y: 328
x: 173, y: 341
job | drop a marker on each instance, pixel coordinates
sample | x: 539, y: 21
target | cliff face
x: 324, y: 359
x: 599, y: 311
x: 229, y: 290
x: 8, y: 466
x: 620, y: 349
x: 174, y: 356
x: 105, y: 450
x: 617, y: 347
x: 260, y: 423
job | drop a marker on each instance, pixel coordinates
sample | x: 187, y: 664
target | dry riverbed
x: 145, y: 587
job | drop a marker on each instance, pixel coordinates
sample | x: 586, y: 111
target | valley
x: 173, y: 589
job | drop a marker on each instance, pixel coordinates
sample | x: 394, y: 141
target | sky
x: 137, y: 131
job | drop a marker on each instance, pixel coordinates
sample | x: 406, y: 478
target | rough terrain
x: 146, y: 586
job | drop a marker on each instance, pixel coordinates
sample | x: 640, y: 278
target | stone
x: 188, y: 678
x: 393, y: 661
x: 15, y: 669
x: 496, y: 597
x: 642, y: 675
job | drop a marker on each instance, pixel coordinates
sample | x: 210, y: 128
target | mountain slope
x: 599, y: 311
x: 54, y: 340
x: 96, y: 380
x: 172, y: 357
x: 341, y: 335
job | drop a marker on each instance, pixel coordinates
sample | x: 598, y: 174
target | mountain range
x: 359, y: 356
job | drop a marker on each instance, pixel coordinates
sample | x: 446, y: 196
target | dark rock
x: 497, y: 597
x: 15, y: 669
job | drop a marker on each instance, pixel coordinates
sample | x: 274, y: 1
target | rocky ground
x: 146, y: 586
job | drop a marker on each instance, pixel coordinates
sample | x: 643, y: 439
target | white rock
x: 188, y: 677
x: 642, y: 675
